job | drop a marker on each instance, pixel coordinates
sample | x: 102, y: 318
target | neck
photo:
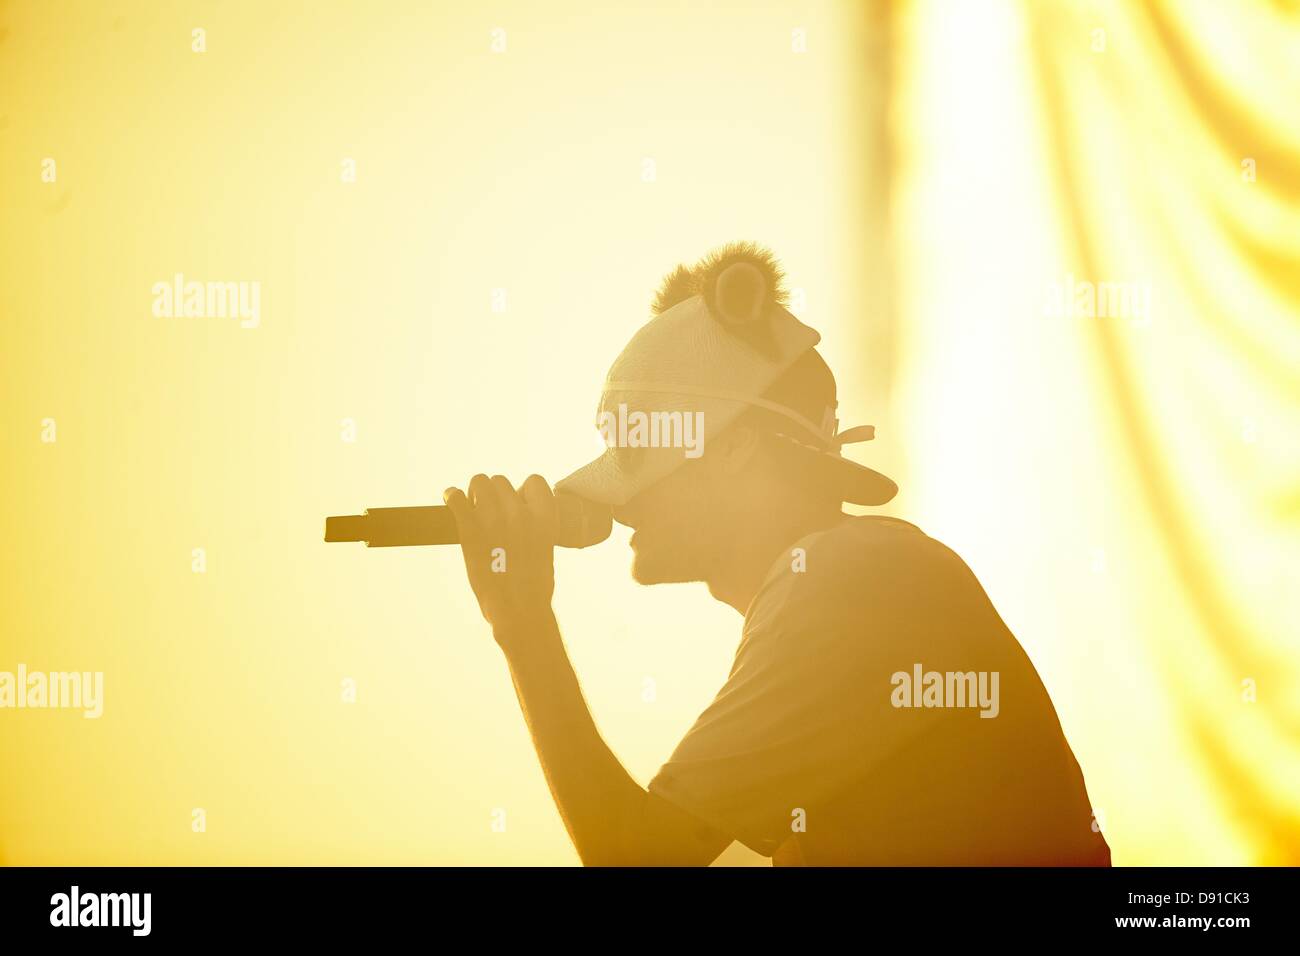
x: 757, y: 546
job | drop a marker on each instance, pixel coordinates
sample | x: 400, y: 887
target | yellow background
x: 523, y: 170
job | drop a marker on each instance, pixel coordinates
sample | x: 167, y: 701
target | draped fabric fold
x: 1147, y: 154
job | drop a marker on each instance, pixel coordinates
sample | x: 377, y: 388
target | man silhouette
x: 878, y: 710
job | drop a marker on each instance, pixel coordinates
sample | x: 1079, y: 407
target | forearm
x: 610, y: 817
x: 598, y: 800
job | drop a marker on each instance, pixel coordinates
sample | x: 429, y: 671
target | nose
x: 625, y: 515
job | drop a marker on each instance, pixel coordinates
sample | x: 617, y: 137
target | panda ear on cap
x: 740, y: 294
x: 678, y: 286
x: 740, y: 283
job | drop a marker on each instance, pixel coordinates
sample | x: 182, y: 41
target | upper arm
x: 644, y: 829
x: 679, y: 838
x: 807, y: 711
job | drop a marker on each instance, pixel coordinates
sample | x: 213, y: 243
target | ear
x: 734, y: 451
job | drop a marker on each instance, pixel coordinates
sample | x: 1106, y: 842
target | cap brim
x: 854, y: 483
x: 620, y: 474
x: 600, y: 480
x: 603, y: 480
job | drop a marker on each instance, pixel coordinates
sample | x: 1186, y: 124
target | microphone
x: 582, y: 524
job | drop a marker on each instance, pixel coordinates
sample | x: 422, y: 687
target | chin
x: 657, y: 569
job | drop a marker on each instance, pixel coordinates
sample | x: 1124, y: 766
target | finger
x: 540, y: 502
x: 481, y: 492
x: 507, y: 499
x: 467, y: 526
x: 487, y: 511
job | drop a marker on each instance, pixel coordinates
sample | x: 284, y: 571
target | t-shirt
x: 879, y: 712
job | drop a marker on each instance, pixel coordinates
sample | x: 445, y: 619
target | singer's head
x: 691, y: 524
x: 720, y: 422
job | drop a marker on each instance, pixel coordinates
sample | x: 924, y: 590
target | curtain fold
x: 1152, y: 190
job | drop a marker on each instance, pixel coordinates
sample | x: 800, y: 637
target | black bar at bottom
x: 985, y: 907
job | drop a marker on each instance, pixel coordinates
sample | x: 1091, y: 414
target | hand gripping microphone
x: 582, y: 524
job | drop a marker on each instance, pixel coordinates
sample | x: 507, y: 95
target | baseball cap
x: 721, y: 342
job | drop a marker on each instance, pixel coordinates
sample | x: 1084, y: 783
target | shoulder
x: 859, y: 551
x: 867, y: 564
x: 874, y: 537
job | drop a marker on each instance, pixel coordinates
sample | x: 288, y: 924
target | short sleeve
x: 806, y: 710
